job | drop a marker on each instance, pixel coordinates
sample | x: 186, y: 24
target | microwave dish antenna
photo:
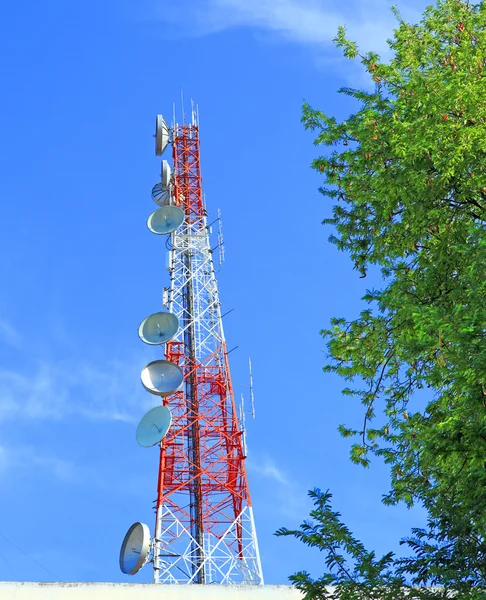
x: 161, y: 196
x: 165, y: 174
x: 161, y: 135
x: 158, y: 328
x: 135, y: 549
x: 153, y: 426
x: 165, y: 220
x: 162, y: 377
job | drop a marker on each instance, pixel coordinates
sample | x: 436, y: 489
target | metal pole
x: 193, y: 440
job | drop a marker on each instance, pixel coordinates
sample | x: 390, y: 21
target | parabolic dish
x: 162, y: 377
x: 135, y: 549
x: 161, y: 135
x: 165, y: 220
x: 154, y: 425
x: 158, y: 328
x: 165, y: 174
x: 161, y: 196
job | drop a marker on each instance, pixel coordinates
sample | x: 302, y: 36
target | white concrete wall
x: 127, y: 591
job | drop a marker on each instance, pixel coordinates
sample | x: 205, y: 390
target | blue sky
x: 82, y: 82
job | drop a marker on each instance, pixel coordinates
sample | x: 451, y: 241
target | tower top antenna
x: 182, y: 107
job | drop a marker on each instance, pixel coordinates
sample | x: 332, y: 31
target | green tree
x: 407, y: 176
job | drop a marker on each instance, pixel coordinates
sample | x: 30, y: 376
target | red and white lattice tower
x: 204, y: 530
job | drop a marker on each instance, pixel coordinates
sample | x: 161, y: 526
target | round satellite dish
x: 135, y: 549
x: 165, y: 220
x: 161, y: 135
x: 161, y: 196
x: 158, y: 328
x: 165, y: 174
x: 154, y: 425
x: 162, y: 377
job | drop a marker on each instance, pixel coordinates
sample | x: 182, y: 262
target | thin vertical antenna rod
x: 182, y: 105
x: 243, y: 424
x: 252, y: 396
x: 220, y: 239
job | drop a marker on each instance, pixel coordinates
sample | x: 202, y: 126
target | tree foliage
x: 407, y: 175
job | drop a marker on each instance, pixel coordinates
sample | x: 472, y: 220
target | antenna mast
x: 204, y: 529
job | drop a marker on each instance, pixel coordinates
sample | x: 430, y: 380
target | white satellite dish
x: 165, y: 220
x: 165, y: 173
x: 158, y: 328
x: 161, y: 135
x: 162, y: 377
x: 161, y: 196
x: 135, y: 549
x: 153, y: 427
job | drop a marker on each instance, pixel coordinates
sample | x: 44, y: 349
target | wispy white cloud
x: 268, y: 470
x: 286, y: 491
x: 309, y: 22
x: 37, y: 388
x: 8, y: 334
x: 16, y: 459
x: 58, y: 390
x: 17, y: 462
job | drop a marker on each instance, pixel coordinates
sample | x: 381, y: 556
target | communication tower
x: 204, y: 527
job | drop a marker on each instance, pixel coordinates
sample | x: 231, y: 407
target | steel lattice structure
x: 204, y: 531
